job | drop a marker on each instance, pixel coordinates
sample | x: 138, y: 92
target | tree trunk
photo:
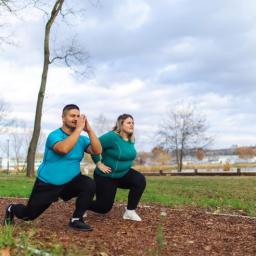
x: 40, y: 99
x: 37, y: 126
x: 181, y: 161
x: 178, y: 160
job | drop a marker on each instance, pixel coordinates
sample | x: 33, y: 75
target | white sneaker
x: 131, y: 215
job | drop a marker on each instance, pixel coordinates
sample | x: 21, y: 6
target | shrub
x: 226, y: 166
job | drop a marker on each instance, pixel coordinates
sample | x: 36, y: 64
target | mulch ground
x: 181, y: 232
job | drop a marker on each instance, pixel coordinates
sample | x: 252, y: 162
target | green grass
x: 15, y: 185
x: 222, y: 193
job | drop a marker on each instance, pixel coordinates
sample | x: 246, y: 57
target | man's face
x: 70, y: 118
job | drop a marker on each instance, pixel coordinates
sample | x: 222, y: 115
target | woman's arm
x: 106, y: 141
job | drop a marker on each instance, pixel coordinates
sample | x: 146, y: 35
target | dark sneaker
x: 80, y: 225
x: 9, y: 216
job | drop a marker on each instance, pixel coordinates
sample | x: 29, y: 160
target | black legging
x: 106, y: 190
x: 44, y: 194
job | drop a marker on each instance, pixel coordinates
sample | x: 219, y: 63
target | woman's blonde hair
x: 119, y: 123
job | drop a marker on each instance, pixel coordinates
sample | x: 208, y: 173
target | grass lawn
x: 15, y: 185
x: 218, y: 193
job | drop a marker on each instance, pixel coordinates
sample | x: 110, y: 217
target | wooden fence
x: 201, y: 172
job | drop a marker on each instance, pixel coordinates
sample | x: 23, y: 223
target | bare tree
x: 4, y: 109
x: 17, y: 146
x: 40, y: 143
x: 71, y: 56
x: 183, y: 128
x: 18, y: 136
x: 13, y: 7
x: 6, y: 4
x: 5, y: 148
x: 102, y: 124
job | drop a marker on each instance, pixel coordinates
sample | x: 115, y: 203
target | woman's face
x: 128, y: 125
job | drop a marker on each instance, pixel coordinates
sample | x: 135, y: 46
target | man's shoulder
x: 56, y: 132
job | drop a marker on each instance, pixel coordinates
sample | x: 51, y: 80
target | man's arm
x: 95, y: 145
x: 64, y: 146
x: 106, y: 141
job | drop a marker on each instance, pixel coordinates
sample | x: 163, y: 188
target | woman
x: 113, y: 169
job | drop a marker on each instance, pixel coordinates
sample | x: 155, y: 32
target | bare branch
x: 5, y: 3
x: 94, y: 3
x: 14, y: 6
x: 73, y: 57
x: 102, y: 124
x: 182, y: 129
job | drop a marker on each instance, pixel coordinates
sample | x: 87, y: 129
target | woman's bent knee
x: 141, y: 181
x: 88, y: 184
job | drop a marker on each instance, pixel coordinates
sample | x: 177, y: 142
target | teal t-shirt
x: 117, y: 153
x: 58, y: 169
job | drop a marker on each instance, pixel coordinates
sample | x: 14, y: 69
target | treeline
x: 160, y: 156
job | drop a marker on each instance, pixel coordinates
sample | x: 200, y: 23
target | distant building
x: 218, y: 159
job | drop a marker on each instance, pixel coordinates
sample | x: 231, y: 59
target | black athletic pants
x: 44, y: 194
x: 106, y: 190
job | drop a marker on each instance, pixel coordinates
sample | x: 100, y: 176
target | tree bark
x: 40, y: 99
x: 181, y: 161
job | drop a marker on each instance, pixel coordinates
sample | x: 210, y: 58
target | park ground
x: 181, y: 216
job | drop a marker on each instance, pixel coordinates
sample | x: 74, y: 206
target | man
x: 59, y: 174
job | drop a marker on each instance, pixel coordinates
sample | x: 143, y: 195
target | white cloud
x: 147, y: 56
x: 132, y: 14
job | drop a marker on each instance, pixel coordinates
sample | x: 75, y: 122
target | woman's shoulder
x: 109, y: 134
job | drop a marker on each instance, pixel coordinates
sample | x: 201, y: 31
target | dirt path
x: 184, y: 232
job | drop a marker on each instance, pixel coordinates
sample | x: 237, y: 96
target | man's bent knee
x: 87, y: 184
x: 105, y: 209
x: 103, y: 206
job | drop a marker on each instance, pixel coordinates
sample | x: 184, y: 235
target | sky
x: 145, y: 57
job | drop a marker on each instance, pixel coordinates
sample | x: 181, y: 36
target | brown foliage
x: 200, y: 154
x: 160, y: 155
x: 226, y: 166
x: 142, y: 158
x: 163, y: 231
x: 246, y: 152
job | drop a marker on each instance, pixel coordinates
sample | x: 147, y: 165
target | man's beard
x: 71, y: 128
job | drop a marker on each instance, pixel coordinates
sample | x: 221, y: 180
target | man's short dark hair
x: 69, y: 107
